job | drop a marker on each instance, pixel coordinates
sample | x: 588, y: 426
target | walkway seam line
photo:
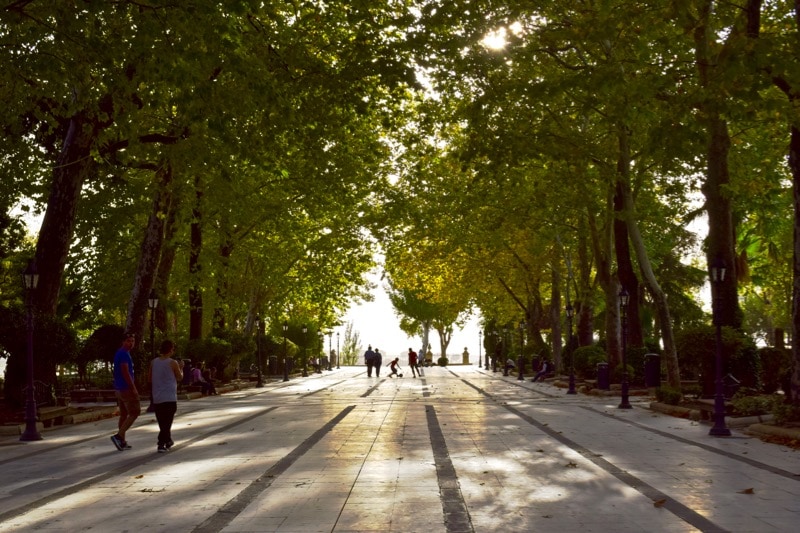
x: 456, y: 514
x: 680, y: 510
x: 230, y: 510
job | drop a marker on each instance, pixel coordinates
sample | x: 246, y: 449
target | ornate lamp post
x: 330, y: 350
x: 496, y: 352
x: 285, y: 353
x: 623, y: 305
x: 259, y: 334
x: 480, y: 359
x: 321, y: 350
x: 337, y: 350
x: 719, y: 429
x: 570, y: 314
x: 521, y: 358
x: 152, y: 303
x: 31, y: 279
x: 505, y: 350
x: 305, y: 352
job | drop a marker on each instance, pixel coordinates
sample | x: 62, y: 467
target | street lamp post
x: 330, y: 350
x: 152, y: 303
x: 521, y: 358
x: 31, y: 279
x: 496, y: 352
x: 337, y: 350
x: 321, y: 350
x: 570, y: 314
x: 719, y: 429
x: 259, y: 334
x: 305, y: 352
x: 505, y: 351
x: 480, y: 357
x: 623, y: 305
x: 285, y: 353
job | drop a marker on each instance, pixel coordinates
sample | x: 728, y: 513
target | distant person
x: 394, y: 366
x: 127, y: 395
x: 429, y: 357
x: 545, y: 368
x: 209, y: 377
x: 509, y: 365
x: 377, y: 359
x: 369, y: 355
x: 198, y: 380
x: 412, y: 362
x: 165, y: 374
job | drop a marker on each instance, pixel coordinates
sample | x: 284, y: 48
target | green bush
x: 442, y: 361
x: 668, y: 395
x: 776, y: 367
x: 697, y: 357
x: 586, y: 359
x: 785, y: 412
x: 746, y: 402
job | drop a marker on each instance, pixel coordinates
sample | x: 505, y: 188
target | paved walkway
x: 458, y: 450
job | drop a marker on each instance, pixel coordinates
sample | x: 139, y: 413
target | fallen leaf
x: 222, y: 443
x: 659, y: 503
x: 571, y: 465
x: 747, y: 491
x: 140, y: 476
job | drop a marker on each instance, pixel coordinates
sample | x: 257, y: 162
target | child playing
x: 394, y: 366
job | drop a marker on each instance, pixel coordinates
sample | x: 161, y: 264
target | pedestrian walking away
x: 412, y: 362
x: 394, y: 366
x: 127, y: 396
x: 377, y: 359
x: 165, y: 374
x: 369, y: 356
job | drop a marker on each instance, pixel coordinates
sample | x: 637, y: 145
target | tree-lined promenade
x: 247, y: 160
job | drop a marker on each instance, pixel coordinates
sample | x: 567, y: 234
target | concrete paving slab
x: 460, y: 449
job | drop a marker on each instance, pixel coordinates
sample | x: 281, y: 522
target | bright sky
x: 377, y: 324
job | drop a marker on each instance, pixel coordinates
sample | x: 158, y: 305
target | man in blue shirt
x: 127, y: 395
x: 369, y: 355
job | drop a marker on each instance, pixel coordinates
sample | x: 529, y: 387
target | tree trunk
x: 625, y: 271
x: 195, y: 291
x: 794, y: 164
x: 584, y: 308
x: 168, y: 252
x: 71, y: 171
x: 662, y: 308
x: 555, y: 319
x: 148, y: 264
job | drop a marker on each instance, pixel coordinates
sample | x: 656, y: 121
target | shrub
x: 747, y: 402
x: 586, y: 359
x: 442, y: 361
x: 785, y: 412
x: 668, y: 395
x: 697, y: 356
x: 776, y: 366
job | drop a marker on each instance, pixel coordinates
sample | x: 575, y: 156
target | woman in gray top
x: 165, y: 374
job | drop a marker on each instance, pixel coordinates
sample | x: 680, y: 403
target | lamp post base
x: 31, y: 433
x: 625, y: 403
x: 571, y: 389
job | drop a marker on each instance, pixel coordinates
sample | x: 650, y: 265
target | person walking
x: 165, y: 374
x: 127, y: 396
x: 369, y: 355
x: 377, y: 359
x: 412, y: 362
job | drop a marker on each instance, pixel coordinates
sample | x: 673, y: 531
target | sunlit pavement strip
x: 459, y: 449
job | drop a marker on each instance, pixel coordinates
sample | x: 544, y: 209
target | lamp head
x: 152, y: 300
x: 623, y: 298
x: 718, y: 269
x: 31, y: 275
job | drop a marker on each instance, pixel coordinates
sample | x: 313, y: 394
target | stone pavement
x: 457, y: 450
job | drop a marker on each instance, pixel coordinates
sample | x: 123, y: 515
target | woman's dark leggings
x: 165, y: 414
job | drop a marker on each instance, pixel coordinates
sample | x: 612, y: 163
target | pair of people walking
x: 165, y: 374
x: 373, y: 359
